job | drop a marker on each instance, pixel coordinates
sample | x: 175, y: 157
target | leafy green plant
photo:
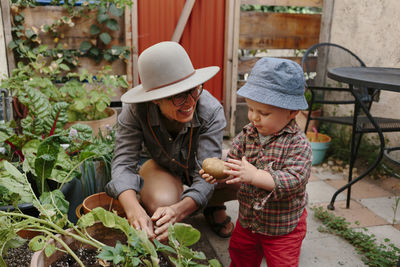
x: 51, y: 161
x: 308, y: 95
x: 96, y: 172
x: 98, y: 44
x: 138, y: 248
x: 46, y: 160
x: 373, y: 254
x: 89, y: 95
x: 43, y: 99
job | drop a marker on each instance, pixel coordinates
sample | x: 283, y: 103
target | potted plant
x: 54, y: 238
x: 49, y: 154
x: 84, y: 96
x: 47, y: 163
x: 319, y: 145
x: 89, y: 96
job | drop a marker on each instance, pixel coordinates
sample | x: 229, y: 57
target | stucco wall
x: 371, y: 29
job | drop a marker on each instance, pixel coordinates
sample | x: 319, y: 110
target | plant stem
x: 66, y: 247
x: 77, y: 165
x: 88, y: 236
x: 58, y: 229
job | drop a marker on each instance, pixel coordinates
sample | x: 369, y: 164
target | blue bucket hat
x: 277, y: 82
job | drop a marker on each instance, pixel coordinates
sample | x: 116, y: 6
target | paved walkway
x: 372, y: 205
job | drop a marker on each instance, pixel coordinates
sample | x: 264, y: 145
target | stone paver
x: 325, y: 174
x: 382, y: 232
x: 330, y: 251
x: 320, y: 191
x: 383, y: 207
x: 361, y: 189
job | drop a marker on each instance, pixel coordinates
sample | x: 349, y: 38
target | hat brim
x: 272, y: 97
x: 138, y: 94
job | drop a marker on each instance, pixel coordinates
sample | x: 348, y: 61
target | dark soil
x: 17, y: 257
x: 88, y: 257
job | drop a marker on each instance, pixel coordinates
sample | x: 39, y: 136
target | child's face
x: 268, y: 119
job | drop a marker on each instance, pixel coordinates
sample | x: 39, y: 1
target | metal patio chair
x: 315, y: 63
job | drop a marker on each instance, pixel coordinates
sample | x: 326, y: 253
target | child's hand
x: 207, y: 177
x: 241, y: 171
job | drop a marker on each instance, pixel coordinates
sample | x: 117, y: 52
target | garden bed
x: 21, y: 256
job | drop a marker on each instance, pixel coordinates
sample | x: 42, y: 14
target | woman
x: 179, y: 124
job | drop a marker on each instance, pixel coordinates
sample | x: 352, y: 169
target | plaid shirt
x: 287, y: 157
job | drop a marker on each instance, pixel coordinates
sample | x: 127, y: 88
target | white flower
x: 73, y: 132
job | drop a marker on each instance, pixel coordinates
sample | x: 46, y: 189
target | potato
x: 215, y: 168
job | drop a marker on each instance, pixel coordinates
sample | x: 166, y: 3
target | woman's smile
x: 186, y: 111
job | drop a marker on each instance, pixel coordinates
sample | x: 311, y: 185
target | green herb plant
x: 373, y: 254
x: 53, y: 221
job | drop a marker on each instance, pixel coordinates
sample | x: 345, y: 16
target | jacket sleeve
x: 128, y: 144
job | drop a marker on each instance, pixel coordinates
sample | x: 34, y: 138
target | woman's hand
x: 141, y: 221
x: 207, y: 177
x: 161, y: 218
x: 135, y: 213
x: 241, y: 171
x: 210, y: 179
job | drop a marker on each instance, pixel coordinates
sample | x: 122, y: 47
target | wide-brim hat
x: 276, y: 82
x: 165, y: 69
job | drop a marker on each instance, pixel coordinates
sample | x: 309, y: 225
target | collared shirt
x: 287, y: 156
x: 133, y: 132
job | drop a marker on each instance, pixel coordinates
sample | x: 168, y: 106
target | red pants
x: 248, y: 249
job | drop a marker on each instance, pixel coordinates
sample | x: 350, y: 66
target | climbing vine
x: 98, y: 45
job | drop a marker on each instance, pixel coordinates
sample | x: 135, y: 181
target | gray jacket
x: 133, y: 131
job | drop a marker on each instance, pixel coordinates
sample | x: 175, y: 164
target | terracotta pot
x: 301, y: 119
x: 102, y: 124
x: 105, y: 235
x: 28, y: 234
x: 100, y: 200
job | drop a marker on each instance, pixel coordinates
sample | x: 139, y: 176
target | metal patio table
x: 373, y: 78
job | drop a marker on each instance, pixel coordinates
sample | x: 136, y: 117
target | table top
x: 371, y: 77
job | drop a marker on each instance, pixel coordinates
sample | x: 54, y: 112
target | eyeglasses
x: 180, y: 99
